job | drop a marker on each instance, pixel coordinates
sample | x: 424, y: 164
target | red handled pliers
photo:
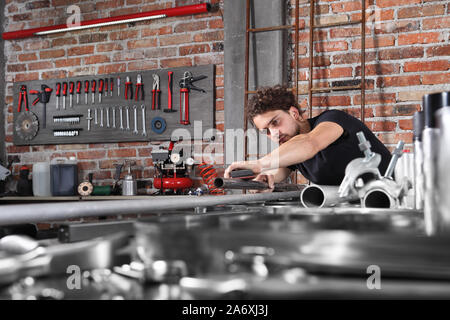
x: 139, y: 88
x: 156, y: 93
x: 23, y: 98
x: 128, y: 87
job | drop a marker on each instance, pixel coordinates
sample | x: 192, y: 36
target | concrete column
x: 268, y: 53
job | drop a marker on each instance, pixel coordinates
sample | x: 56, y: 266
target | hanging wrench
x: 89, y: 119
x: 121, y: 118
x: 144, y: 132
x: 101, y: 117
x: 95, y: 116
x: 114, y: 117
x: 135, y: 131
x: 107, y: 117
x: 127, y: 109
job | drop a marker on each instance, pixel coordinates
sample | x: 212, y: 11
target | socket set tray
x: 87, y: 117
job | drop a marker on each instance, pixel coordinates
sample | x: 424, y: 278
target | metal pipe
x: 378, y: 198
x: 254, y: 185
x: 315, y: 196
x: 418, y: 161
x: 442, y: 172
x: 46, y: 212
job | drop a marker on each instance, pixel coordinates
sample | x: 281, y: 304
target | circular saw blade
x: 27, y: 125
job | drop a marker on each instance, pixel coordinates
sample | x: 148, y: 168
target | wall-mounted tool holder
x: 142, y: 106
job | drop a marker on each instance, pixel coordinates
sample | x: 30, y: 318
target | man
x: 320, y: 147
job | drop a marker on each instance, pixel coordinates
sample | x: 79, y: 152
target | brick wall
x: 165, y: 43
x: 407, y: 56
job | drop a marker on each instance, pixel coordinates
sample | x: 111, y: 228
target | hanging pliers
x: 23, y: 98
x: 139, y: 88
x: 156, y: 93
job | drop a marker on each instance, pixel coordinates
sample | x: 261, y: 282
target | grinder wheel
x: 27, y: 125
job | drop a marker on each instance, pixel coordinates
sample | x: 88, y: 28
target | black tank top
x: 328, y: 166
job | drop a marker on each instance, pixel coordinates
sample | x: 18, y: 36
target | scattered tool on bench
x: 139, y: 88
x: 156, y: 93
x: 186, y: 85
x: 43, y: 97
x: 23, y: 98
x: 170, y: 90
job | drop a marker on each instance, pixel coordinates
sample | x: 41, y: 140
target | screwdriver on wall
x: 106, y: 87
x: 71, y: 88
x: 94, y: 83
x: 86, y: 91
x: 64, y: 94
x: 78, y: 91
x: 58, y: 94
x: 100, y: 90
x: 118, y: 86
x: 111, y: 81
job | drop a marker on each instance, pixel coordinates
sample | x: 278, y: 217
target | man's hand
x: 267, y: 178
x: 254, y: 165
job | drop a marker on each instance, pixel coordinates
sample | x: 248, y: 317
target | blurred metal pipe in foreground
x: 418, y: 160
x: 316, y: 196
x: 46, y: 212
x: 442, y: 169
x: 254, y: 185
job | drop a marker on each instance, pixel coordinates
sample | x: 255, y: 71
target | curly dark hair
x: 271, y: 98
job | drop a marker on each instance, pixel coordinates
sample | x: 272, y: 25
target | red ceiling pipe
x: 172, y: 12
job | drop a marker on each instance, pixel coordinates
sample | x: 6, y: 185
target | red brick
x: 220, y: 93
x: 395, y: 3
x: 22, y: 17
x: 346, y: 6
x: 87, y: 165
x: 332, y: 73
x: 51, y: 54
x: 436, y: 78
x: 399, y: 81
x: 143, y: 65
x: 123, y: 35
x: 18, y: 149
x: 122, y: 153
x: 16, y: 67
x: 174, y: 40
x: 112, y: 68
x: 216, y: 24
x: 54, y: 74
x: 439, y: 51
x: 397, y: 27
x: 146, y: 43
x: 96, y: 59
x: 37, y: 45
x: 64, y: 41
x: 102, y: 175
x: 78, y: 51
x: 349, y: 58
x: 63, y: 63
x: 26, y: 76
x: 413, y: 12
x: 346, y: 32
x: 209, y: 36
x: 177, y: 62
x: 330, y: 101
x: 406, y: 124
x: 156, y: 32
x: 375, y: 98
x: 128, y: 56
x: 380, y: 126
x: 436, y: 23
x: 331, y: 46
x: 190, y: 26
x: 422, y: 38
x: 375, y: 42
x: 403, y: 53
x: 194, y: 49
x: 93, y: 154
x: 40, y: 65
x: 160, y: 52
x: 378, y: 69
x: 27, y: 57
x: 106, y: 47
x: 439, y: 65
x: 318, y: 61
